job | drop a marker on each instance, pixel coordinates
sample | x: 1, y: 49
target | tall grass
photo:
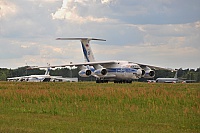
x: 91, y: 107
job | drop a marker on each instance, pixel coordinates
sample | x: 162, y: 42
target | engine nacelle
x: 101, y: 72
x: 149, y: 74
x: 85, y: 73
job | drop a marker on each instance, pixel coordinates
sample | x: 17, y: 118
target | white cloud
x: 16, y: 49
x: 70, y: 12
x: 48, y: 1
x: 107, y: 1
x: 73, y: 17
x: 153, y: 32
x: 7, y: 8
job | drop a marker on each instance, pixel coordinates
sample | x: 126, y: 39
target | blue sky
x: 164, y: 33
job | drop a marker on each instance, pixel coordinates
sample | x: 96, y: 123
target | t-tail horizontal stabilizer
x: 89, y: 39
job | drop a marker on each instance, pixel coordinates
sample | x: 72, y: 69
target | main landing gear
x: 123, y: 81
x: 101, y: 81
x: 115, y: 81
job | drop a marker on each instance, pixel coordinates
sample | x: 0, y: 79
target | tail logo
x: 88, y: 53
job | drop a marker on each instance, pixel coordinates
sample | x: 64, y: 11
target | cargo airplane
x: 104, y: 71
x: 168, y: 80
x: 175, y: 79
x: 33, y: 78
x: 42, y: 78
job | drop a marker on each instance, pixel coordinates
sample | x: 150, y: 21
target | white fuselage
x: 167, y: 80
x: 37, y: 78
x: 122, y: 70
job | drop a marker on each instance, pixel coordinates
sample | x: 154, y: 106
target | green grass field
x: 95, y: 108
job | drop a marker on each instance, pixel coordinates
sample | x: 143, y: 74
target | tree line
x: 189, y: 74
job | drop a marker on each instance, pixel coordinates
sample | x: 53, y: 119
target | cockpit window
x: 135, y: 67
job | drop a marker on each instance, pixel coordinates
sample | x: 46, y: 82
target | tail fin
x: 176, y: 74
x: 85, y: 42
x: 48, y: 70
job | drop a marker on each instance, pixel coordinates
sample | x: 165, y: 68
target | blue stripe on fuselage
x: 117, y: 70
x: 128, y: 70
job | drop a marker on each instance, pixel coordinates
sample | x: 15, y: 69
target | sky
x: 163, y: 33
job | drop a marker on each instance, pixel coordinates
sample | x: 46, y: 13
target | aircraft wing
x: 155, y: 67
x: 103, y: 63
x: 81, y: 64
x: 14, y: 78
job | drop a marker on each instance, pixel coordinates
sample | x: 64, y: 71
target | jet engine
x: 147, y: 72
x: 85, y: 73
x: 100, y: 72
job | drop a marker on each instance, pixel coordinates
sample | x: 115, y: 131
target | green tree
x: 3, y: 77
x: 198, y: 74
